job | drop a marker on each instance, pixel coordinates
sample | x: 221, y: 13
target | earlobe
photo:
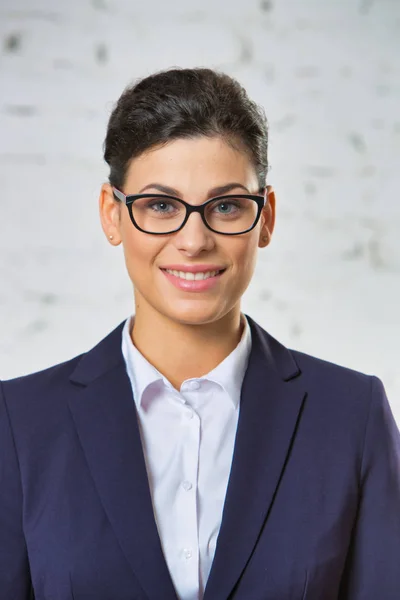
x: 264, y: 240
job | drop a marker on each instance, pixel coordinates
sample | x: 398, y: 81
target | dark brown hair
x: 184, y: 103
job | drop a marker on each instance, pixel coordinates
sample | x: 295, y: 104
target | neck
x: 180, y: 351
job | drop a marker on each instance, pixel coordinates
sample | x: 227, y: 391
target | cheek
x: 140, y: 250
x: 245, y: 254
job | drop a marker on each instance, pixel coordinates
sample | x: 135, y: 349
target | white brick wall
x: 328, y: 74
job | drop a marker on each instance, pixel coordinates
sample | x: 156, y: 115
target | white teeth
x: 192, y: 276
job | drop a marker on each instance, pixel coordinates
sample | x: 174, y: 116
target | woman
x: 189, y: 454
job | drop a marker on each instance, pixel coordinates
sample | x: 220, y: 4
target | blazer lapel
x: 271, y: 401
x: 104, y: 413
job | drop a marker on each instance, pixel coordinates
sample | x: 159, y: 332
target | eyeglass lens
x: 225, y: 215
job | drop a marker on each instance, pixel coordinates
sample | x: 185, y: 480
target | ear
x: 267, y: 218
x: 109, y: 209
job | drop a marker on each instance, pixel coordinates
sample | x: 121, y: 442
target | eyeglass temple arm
x: 120, y: 195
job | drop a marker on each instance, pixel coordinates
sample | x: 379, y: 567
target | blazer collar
x: 276, y: 356
x: 105, y: 418
x: 103, y: 357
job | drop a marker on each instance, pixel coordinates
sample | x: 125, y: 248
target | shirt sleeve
x: 15, y: 580
x: 373, y: 564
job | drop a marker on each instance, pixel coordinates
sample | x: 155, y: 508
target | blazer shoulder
x: 314, y: 371
x: 45, y: 379
x: 310, y: 363
x: 53, y: 382
x: 335, y: 379
x: 107, y: 349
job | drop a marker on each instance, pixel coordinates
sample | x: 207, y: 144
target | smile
x: 192, y: 276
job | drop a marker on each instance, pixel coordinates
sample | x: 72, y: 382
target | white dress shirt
x: 188, y: 439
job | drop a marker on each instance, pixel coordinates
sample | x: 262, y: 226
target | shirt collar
x: 229, y: 374
x: 141, y: 373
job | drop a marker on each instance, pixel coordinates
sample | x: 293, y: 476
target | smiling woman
x: 190, y: 454
x: 199, y: 222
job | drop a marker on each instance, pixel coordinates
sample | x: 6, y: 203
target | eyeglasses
x: 159, y: 214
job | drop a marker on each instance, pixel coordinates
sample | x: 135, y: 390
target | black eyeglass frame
x: 190, y: 208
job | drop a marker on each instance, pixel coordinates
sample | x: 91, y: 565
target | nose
x: 194, y: 237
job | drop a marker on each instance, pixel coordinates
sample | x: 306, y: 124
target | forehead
x: 200, y: 161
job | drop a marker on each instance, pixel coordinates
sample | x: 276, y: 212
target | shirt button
x: 193, y: 385
x: 189, y: 414
x: 187, y: 485
x: 187, y: 553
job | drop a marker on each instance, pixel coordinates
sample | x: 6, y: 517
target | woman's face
x: 193, y: 168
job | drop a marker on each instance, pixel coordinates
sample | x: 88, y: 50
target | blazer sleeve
x: 14, y: 567
x: 373, y: 564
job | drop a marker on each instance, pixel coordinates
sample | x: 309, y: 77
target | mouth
x: 189, y: 282
x: 188, y: 276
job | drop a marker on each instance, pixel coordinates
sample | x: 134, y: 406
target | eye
x: 161, y: 206
x: 157, y: 207
x: 226, y: 207
x: 229, y: 207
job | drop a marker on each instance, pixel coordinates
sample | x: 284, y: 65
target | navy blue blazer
x: 312, y: 510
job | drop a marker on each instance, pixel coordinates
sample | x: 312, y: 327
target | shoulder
x: 323, y: 372
x: 315, y: 372
x: 53, y: 384
x: 346, y: 398
x: 38, y: 400
x: 47, y: 378
x: 337, y: 400
x: 334, y: 392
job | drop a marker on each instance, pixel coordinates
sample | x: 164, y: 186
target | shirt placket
x: 187, y: 502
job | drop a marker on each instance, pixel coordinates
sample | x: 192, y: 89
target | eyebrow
x: 217, y: 191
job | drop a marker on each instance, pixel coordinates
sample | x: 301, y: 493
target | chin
x: 194, y: 315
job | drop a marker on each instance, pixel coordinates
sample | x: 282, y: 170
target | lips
x: 187, y: 281
x: 191, y: 276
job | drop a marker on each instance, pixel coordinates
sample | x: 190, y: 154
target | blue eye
x: 157, y: 207
x: 227, y: 207
x: 160, y: 206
